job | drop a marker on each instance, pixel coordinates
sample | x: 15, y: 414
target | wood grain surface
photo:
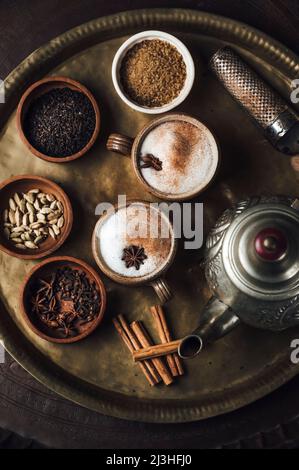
x: 33, y: 417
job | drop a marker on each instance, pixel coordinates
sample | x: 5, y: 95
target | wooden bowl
x: 23, y: 184
x: 44, y: 86
x: 44, y: 270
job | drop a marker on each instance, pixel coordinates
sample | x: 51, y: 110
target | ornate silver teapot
x: 252, y: 267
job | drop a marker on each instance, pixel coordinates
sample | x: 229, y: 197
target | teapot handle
x: 216, y: 321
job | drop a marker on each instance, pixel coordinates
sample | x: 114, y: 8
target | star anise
x: 70, y: 319
x: 67, y: 330
x: 149, y: 161
x: 51, y: 308
x: 38, y: 304
x: 62, y: 318
x: 47, y: 288
x: 134, y: 256
x: 48, y: 321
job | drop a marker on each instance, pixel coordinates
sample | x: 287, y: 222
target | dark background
x: 27, y: 24
x: 30, y: 415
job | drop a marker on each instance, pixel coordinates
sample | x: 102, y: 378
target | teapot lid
x: 261, y: 251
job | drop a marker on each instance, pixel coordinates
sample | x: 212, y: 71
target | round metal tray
x: 98, y: 373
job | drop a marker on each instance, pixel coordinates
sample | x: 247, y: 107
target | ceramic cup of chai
x: 175, y: 157
x: 134, y: 244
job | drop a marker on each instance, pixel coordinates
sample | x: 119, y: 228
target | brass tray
x: 98, y: 372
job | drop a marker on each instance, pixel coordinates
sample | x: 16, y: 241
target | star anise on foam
x: 134, y: 256
x: 149, y: 161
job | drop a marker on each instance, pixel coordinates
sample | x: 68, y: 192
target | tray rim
x: 88, y: 34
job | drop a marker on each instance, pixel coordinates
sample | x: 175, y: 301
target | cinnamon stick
x: 170, y: 359
x: 150, y: 378
x: 146, y: 342
x: 173, y: 360
x: 137, y: 345
x: 151, y: 352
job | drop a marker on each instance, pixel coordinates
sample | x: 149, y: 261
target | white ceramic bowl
x: 147, y: 35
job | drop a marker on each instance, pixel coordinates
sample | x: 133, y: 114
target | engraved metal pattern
x: 215, y: 239
x: 285, y: 316
x: 214, y: 242
x: 275, y: 316
x: 213, y: 269
x: 250, y: 90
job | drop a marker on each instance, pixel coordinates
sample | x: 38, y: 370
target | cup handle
x: 162, y: 290
x: 121, y: 144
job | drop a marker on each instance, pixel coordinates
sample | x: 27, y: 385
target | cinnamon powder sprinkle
x: 153, y: 73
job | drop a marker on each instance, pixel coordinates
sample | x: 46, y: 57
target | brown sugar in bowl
x: 45, y: 269
x: 40, y: 88
x: 22, y: 184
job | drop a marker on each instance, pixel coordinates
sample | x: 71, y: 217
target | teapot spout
x: 216, y: 321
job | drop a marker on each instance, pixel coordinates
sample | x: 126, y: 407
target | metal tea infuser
x: 269, y: 110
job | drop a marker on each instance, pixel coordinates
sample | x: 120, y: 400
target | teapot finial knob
x: 271, y: 244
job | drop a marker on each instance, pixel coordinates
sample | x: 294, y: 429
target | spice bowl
x: 184, y: 56
x: 74, y: 286
x: 42, y: 89
x: 14, y: 209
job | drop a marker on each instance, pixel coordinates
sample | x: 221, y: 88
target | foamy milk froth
x: 134, y: 225
x: 189, y: 156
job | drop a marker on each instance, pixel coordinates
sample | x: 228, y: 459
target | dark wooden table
x: 30, y: 415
